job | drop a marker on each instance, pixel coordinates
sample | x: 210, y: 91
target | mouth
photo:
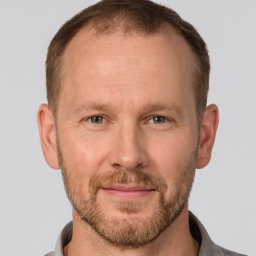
x: 128, y: 193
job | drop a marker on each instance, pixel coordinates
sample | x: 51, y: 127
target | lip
x: 128, y: 193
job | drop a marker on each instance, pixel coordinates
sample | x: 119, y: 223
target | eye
x: 96, y: 119
x: 158, y: 120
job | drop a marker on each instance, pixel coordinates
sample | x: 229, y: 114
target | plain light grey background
x: 34, y: 207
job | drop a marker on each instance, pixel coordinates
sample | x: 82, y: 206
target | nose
x: 129, y: 149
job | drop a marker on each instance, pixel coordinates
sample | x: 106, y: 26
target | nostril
x: 116, y: 166
x: 139, y: 166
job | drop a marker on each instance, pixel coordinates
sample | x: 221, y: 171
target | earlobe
x: 207, y: 135
x: 47, y: 134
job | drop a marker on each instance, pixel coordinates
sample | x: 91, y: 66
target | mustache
x: 130, y: 178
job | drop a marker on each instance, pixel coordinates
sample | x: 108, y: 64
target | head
x: 127, y: 121
x: 131, y: 17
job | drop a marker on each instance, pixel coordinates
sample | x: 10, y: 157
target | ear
x: 47, y: 134
x: 207, y: 135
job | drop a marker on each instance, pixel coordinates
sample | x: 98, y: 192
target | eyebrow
x: 91, y: 106
x: 147, y: 108
x: 158, y: 107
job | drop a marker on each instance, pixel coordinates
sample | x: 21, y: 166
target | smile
x: 128, y: 193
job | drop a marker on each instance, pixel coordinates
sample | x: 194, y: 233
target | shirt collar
x: 63, y: 239
x: 207, y: 246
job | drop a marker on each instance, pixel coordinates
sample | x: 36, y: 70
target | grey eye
x: 96, y: 119
x: 159, y: 119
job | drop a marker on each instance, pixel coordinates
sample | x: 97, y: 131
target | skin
x: 128, y: 80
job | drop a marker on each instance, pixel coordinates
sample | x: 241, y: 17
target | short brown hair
x: 141, y: 16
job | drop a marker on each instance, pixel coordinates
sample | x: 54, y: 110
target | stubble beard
x: 126, y: 232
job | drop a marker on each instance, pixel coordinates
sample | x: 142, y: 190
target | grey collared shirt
x: 207, y: 246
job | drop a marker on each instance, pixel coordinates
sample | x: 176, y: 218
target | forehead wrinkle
x: 109, y: 66
x: 119, y: 73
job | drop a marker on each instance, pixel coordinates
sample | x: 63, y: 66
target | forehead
x: 155, y: 67
x: 101, y: 53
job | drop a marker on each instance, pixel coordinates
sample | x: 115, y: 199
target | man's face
x: 127, y: 132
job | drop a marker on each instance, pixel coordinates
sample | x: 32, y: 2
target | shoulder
x: 63, y: 239
x: 50, y: 254
x: 207, y: 246
x: 226, y: 252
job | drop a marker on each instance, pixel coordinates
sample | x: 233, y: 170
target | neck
x: 175, y: 240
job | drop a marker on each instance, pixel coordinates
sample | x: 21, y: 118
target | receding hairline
x: 90, y: 31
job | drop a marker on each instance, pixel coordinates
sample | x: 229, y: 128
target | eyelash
x: 95, y: 116
x: 166, y: 119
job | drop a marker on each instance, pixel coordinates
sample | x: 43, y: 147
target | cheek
x: 82, y: 155
x: 175, y: 163
x: 81, y: 161
x: 171, y: 155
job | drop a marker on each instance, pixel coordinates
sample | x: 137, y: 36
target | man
x: 127, y: 123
